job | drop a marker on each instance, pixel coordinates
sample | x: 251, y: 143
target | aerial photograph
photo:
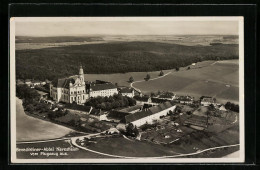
x: 126, y: 89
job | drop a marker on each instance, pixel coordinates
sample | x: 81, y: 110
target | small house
x: 28, y: 82
x: 185, y: 99
x: 126, y: 91
x: 206, y: 101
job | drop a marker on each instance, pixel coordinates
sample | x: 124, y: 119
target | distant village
x: 69, y: 96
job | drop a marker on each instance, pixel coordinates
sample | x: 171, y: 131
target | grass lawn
x: 123, y: 147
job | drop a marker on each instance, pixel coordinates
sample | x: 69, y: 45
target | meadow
x: 219, y: 80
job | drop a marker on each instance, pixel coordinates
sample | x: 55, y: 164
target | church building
x: 76, y: 89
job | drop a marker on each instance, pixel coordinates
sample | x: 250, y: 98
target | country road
x: 131, y: 85
x: 73, y: 140
x: 139, y: 81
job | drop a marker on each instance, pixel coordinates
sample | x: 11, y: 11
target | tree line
x: 51, y: 63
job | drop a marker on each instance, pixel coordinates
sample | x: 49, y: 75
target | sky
x: 122, y: 26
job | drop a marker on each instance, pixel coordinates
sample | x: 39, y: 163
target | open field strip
x: 217, y: 79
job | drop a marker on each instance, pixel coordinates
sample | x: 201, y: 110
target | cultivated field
x: 217, y: 79
x: 29, y: 128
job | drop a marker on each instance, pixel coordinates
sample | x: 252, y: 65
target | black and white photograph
x: 127, y: 89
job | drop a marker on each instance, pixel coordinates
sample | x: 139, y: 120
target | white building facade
x: 149, y: 116
x: 75, y: 89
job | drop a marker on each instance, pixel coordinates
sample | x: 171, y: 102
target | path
x: 139, y: 81
x: 131, y: 85
x: 73, y: 141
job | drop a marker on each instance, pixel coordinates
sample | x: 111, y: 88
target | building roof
x: 36, y: 81
x: 98, y: 87
x: 208, y: 99
x: 117, y: 115
x: 185, y: 98
x: 96, y: 112
x: 152, y: 110
x: 167, y: 95
x: 158, y: 100
x: 130, y: 109
x: 65, y: 82
x: 139, y: 98
x: 126, y: 90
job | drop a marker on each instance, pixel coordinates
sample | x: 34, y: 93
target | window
x: 83, y: 97
x: 83, y: 91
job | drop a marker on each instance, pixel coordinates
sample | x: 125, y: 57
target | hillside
x: 116, y: 57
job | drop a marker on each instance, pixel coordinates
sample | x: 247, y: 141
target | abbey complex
x: 76, y: 89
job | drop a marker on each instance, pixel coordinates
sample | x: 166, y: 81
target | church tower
x: 81, y: 74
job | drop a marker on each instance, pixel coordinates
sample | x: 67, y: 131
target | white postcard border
x: 14, y: 159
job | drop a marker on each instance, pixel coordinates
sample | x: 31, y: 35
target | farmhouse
x: 167, y: 96
x: 117, y: 116
x: 145, y: 100
x: 19, y: 82
x: 28, y: 82
x: 126, y: 91
x: 206, y: 101
x: 35, y: 83
x: 75, y: 89
x: 141, y: 100
x: 222, y: 108
x: 149, y: 115
x: 42, y: 82
x: 185, y: 99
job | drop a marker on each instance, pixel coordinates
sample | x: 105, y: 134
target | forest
x: 116, y: 57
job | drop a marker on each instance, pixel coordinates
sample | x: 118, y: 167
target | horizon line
x: 77, y: 35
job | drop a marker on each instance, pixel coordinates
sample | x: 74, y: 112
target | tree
x: 152, y: 94
x: 147, y: 77
x: 232, y: 107
x: 161, y: 73
x: 188, y: 112
x: 211, y: 107
x: 131, y: 79
x: 177, y: 68
x: 131, y: 130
